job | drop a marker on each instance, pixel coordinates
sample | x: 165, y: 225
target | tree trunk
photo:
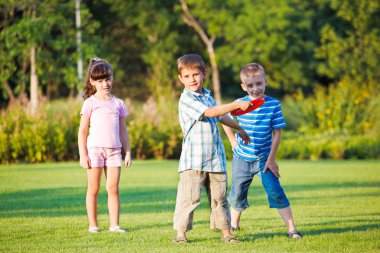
x: 215, y: 73
x: 9, y: 91
x: 33, y: 73
x: 209, y: 42
x: 33, y: 82
x: 79, y: 48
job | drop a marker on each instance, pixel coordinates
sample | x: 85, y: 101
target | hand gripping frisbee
x: 255, y: 103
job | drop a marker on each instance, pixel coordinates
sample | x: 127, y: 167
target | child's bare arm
x: 221, y: 110
x: 271, y: 162
x: 229, y: 123
x: 82, y: 142
x: 124, y: 138
x: 231, y: 136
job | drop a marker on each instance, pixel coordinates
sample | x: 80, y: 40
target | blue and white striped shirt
x: 259, y: 125
x: 202, y: 146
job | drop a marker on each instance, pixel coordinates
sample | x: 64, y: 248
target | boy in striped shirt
x: 263, y: 125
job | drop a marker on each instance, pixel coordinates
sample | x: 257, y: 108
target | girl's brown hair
x: 97, y: 69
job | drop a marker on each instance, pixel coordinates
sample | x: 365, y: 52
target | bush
x: 51, y: 135
x: 343, y: 107
x: 46, y: 136
x: 327, y: 146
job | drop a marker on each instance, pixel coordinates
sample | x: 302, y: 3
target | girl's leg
x: 94, y: 176
x: 287, y: 217
x: 112, y: 185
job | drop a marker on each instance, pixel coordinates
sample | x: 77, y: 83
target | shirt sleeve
x: 122, y: 109
x: 192, y: 107
x: 86, y: 108
x: 278, y: 120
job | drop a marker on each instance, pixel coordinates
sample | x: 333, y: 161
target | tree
x: 37, y: 43
x: 152, y: 39
x: 276, y: 34
x: 190, y: 20
x: 350, y: 48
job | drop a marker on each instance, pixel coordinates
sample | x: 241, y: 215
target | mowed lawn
x: 336, y: 205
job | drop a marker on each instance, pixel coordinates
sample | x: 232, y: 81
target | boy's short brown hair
x: 191, y: 61
x: 251, y: 69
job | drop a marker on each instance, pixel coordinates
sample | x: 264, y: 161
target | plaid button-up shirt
x: 202, y: 146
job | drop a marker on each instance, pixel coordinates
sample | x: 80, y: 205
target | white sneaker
x: 117, y: 229
x: 93, y: 230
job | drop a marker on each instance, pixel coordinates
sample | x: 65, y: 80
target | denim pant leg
x: 275, y: 193
x: 242, y: 176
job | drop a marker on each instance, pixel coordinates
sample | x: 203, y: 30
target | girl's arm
x: 221, y: 110
x: 82, y: 142
x: 124, y: 138
x: 271, y: 163
x: 227, y: 124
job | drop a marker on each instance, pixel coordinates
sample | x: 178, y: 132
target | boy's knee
x: 277, y: 199
x: 238, y: 203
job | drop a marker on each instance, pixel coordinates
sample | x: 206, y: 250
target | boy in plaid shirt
x: 203, y: 160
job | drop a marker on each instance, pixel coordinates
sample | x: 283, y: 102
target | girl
x: 102, y: 148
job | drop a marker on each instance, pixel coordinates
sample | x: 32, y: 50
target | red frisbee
x: 255, y: 103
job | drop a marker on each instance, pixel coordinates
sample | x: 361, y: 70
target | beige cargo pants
x: 189, y: 197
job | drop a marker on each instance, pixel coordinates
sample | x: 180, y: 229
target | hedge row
x: 52, y: 136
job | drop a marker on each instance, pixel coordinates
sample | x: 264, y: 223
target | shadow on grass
x: 308, y: 233
x: 52, y: 202
x: 322, y: 186
x: 70, y: 201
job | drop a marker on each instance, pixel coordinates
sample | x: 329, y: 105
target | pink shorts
x: 108, y: 157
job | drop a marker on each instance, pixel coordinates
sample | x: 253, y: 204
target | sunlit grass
x: 336, y: 205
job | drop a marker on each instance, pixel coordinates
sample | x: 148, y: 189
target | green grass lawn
x: 335, y: 204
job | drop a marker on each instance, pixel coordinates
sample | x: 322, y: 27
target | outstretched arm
x: 221, y: 110
x: 229, y: 123
x: 271, y: 163
x: 124, y: 138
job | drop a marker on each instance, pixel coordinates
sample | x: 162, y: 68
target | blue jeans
x: 242, y: 175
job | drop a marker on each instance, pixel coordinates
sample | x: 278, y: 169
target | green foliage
x: 328, y: 146
x: 47, y: 136
x: 47, y: 26
x: 276, y: 34
x: 150, y: 141
x: 338, y: 122
x: 351, y: 46
x: 343, y: 107
x: 155, y: 132
x: 300, y: 43
x: 362, y: 147
x: 52, y: 134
